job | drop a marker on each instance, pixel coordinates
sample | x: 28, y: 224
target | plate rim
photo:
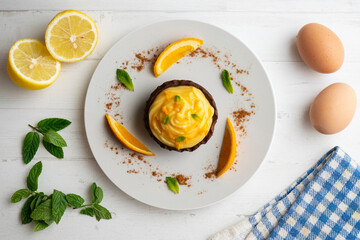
x: 272, y: 93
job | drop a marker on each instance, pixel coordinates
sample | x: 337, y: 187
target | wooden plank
x: 270, y: 35
x: 186, y: 5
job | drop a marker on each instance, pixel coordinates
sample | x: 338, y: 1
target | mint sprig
x: 125, y: 79
x: 32, y: 179
x: 54, y: 138
x: 30, y: 146
x: 43, y: 209
x: 52, y: 141
x: 55, y: 124
x: 227, y: 81
x: 172, y: 184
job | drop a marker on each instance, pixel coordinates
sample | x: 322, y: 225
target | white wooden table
x: 267, y: 27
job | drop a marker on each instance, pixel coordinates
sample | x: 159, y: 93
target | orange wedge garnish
x: 228, y: 150
x: 174, y: 52
x: 126, y: 138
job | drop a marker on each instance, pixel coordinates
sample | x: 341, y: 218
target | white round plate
x: 142, y: 185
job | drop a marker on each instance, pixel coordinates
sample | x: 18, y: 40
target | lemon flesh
x: 71, y: 36
x: 31, y: 66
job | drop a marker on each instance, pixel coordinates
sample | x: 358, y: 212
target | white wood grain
x: 267, y: 27
x: 186, y: 5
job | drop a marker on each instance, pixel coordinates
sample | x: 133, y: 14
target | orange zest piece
x: 126, y: 138
x: 228, y: 150
x: 174, y: 52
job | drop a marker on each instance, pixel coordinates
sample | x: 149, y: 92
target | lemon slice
x: 228, y: 150
x: 174, y: 52
x: 126, y: 138
x: 71, y: 36
x: 31, y: 66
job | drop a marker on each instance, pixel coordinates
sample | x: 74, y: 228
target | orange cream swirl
x: 180, y: 116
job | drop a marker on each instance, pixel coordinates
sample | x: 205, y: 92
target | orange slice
x: 228, y: 150
x: 174, y: 52
x: 126, y: 138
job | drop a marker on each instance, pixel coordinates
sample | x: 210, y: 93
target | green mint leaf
x: 101, y: 212
x: 26, y: 211
x: 93, y: 189
x: 75, y: 200
x: 196, y: 117
x: 55, y: 124
x: 99, y: 195
x: 166, y: 119
x: 43, y: 211
x: 125, y: 79
x: 49, y: 221
x: 226, y: 81
x: 54, y: 150
x: 40, y: 225
x: 53, y: 137
x: 180, y: 139
x: 59, y: 205
x: 33, y: 202
x: 37, y: 201
x: 172, y: 184
x: 177, y: 98
x: 30, y: 146
x: 19, y: 195
x: 87, y: 211
x: 32, y: 179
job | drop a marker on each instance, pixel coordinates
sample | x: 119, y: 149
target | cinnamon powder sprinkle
x: 182, y: 180
x: 144, y: 59
x: 211, y: 174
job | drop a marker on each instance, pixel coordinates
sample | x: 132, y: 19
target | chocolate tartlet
x: 180, y: 115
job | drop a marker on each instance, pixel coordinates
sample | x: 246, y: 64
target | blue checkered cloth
x: 323, y: 203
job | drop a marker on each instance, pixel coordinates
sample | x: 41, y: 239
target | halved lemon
x: 174, y: 52
x: 31, y: 66
x: 228, y: 150
x: 71, y: 36
x: 126, y: 138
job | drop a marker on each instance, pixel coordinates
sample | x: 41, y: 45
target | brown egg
x: 320, y: 48
x: 333, y: 109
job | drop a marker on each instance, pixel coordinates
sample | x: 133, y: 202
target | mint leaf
x: 43, y: 211
x: 75, y: 200
x: 32, y: 179
x: 125, y: 79
x: 93, y: 189
x: 177, y: 98
x: 172, y: 184
x: 30, y: 146
x: 226, y: 81
x: 180, y: 139
x: 99, y: 195
x: 101, y: 212
x: 37, y: 201
x: 196, y: 117
x: 49, y: 221
x: 59, y: 205
x: 26, y: 211
x: 19, y: 195
x: 55, y: 124
x: 53, y: 137
x: 33, y: 202
x: 54, y: 150
x: 39, y: 225
x: 166, y: 119
x: 87, y: 211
